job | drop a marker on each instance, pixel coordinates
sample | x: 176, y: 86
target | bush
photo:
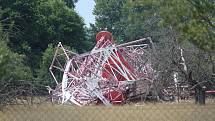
x: 12, y: 64
x: 15, y: 77
x: 44, y: 77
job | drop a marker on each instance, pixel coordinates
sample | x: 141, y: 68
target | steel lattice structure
x: 101, y: 75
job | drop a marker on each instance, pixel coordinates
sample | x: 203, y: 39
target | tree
x: 193, y: 19
x: 15, y: 77
x: 71, y: 3
x: 185, y: 23
x: 43, y: 75
x: 108, y: 15
x: 194, y: 22
x: 129, y: 20
x: 140, y: 20
x: 40, y: 22
x: 12, y: 64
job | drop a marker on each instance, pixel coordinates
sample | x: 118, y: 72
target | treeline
x: 30, y: 30
x: 131, y: 19
x: 183, y: 32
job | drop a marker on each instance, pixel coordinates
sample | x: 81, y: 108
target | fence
x: 44, y: 110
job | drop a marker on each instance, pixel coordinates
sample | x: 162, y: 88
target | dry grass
x: 135, y: 112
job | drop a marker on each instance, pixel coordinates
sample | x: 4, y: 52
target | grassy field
x: 133, y: 112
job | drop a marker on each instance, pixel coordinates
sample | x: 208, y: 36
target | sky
x: 85, y: 9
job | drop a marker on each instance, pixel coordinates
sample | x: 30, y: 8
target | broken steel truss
x: 103, y: 74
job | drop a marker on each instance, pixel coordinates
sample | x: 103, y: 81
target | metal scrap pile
x: 102, y: 75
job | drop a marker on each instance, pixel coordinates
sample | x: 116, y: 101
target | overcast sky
x: 85, y: 9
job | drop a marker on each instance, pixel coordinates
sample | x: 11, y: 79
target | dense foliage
x: 37, y: 23
x: 193, y: 19
x: 29, y: 32
x: 173, y: 25
x: 132, y: 19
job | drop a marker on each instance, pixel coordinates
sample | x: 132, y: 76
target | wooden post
x: 202, y: 96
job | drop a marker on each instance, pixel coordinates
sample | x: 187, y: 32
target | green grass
x: 133, y: 112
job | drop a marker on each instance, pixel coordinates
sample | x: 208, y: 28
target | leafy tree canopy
x: 12, y: 65
x: 36, y: 23
x: 108, y: 15
x: 71, y: 3
x: 193, y: 19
